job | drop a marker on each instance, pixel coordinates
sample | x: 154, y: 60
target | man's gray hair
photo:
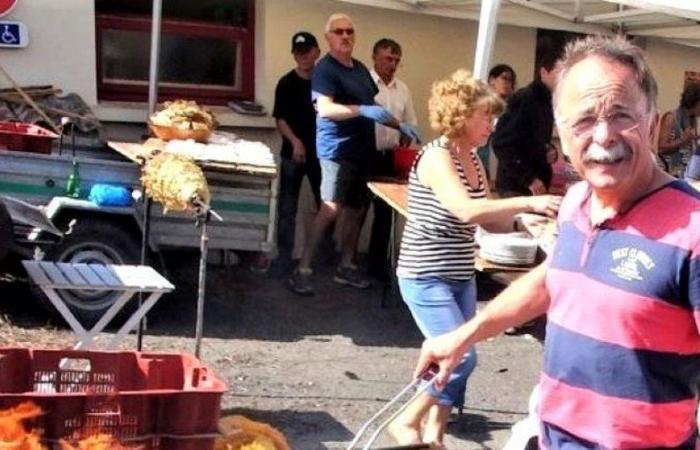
x: 616, y: 49
x: 334, y: 17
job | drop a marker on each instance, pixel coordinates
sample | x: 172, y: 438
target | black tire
x: 93, y: 241
x: 6, y: 231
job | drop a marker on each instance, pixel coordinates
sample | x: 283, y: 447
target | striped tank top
x: 435, y: 242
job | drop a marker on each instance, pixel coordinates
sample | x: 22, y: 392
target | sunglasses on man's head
x: 341, y: 31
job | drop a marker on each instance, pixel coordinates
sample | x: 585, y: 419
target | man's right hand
x: 298, y: 152
x: 537, y: 187
x: 376, y: 113
x: 410, y: 131
x: 446, y: 351
x: 545, y: 204
x: 688, y: 135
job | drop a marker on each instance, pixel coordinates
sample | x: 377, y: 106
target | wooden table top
x: 138, y: 153
x: 394, y: 193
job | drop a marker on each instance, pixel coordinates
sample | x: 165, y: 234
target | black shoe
x: 350, y: 276
x: 300, y: 283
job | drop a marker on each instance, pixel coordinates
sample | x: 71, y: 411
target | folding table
x: 52, y: 277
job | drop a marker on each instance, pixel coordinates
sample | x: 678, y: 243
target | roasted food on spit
x: 175, y: 181
x: 184, y: 115
x: 241, y: 433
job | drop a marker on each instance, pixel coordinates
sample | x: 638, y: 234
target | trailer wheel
x: 94, y: 242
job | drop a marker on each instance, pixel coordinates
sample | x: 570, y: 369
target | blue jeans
x: 439, y: 306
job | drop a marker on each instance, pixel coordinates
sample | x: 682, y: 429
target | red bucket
x: 403, y: 161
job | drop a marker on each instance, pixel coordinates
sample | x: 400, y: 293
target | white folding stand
x: 52, y: 277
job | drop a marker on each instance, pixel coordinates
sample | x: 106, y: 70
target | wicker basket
x: 170, y: 133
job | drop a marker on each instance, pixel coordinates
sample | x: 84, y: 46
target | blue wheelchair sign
x: 13, y: 34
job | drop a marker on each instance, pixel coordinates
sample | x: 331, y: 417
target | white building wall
x: 669, y: 62
x: 61, y: 47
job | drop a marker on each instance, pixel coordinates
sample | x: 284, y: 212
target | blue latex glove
x: 377, y: 113
x: 411, y: 131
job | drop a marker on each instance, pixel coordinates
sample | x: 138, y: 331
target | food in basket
x: 241, y: 433
x: 175, y: 181
x: 183, y: 119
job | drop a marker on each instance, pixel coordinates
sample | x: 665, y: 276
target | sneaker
x: 350, y: 276
x: 261, y: 265
x: 300, y: 282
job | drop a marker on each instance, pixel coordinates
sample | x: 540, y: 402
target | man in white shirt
x: 396, y: 98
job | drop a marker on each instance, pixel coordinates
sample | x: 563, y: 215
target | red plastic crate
x: 155, y: 401
x: 25, y: 137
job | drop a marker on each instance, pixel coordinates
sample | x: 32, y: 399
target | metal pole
x: 203, y: 248
x: 144, y: 252
x: 155, y: 53
x: 484, y: 41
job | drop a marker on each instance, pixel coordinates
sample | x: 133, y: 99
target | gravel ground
x: 316, y: 368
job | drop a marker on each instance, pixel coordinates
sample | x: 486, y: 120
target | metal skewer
x: 428, y: 378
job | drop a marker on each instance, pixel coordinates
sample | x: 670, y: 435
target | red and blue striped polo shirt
x: 622, y: 352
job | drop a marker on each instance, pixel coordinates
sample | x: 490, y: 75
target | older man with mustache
x: 622, y: 286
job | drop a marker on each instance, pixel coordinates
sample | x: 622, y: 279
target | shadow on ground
x: 476, y: 428
x: 240, y: 304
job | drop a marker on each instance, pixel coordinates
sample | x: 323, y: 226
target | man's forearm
x: 286, y: 131
x: 329, y: 109
x: 336, y: 111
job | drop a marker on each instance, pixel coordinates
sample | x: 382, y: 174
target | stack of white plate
x: 513, y: 249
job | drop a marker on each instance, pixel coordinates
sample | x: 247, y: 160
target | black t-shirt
x: 293, y: 105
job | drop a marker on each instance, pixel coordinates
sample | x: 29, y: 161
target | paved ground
x: 316, y: 368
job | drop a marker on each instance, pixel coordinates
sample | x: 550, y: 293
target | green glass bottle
x: 73, y: 184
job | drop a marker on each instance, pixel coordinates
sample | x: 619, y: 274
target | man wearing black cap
x: 296, y: 121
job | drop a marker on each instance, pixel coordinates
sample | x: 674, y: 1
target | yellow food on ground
x: 175, y: 181
x: 241, y: 433
x: 184, y: 115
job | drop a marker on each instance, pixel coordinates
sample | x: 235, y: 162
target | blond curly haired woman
x: 447, y: 199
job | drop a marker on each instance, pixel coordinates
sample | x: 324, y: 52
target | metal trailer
x: 244, y: 197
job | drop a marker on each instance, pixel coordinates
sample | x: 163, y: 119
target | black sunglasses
x: 341, y: 31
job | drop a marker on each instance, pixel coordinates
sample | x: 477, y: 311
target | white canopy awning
x: 672, y: 20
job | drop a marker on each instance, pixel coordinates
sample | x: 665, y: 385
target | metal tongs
x: 422, y: 383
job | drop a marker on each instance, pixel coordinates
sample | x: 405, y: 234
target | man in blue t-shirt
x: 343, y: 91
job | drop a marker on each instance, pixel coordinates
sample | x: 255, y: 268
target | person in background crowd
x: 395, y: 96
x: 522, y: 135
x: 447, y: 199
x: 343, y: 91
x: 678, y: 134
x: 296, y: 121
x: 502, y: 80
x: 622, y: 287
